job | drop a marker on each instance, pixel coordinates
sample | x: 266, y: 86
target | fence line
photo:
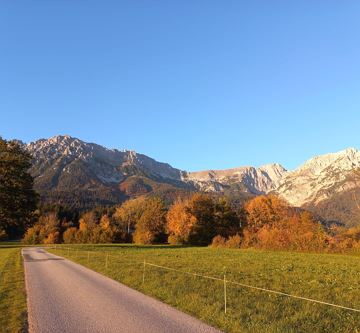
x: 293, y: 296
x: 225, y: 281
x: 256, y: 288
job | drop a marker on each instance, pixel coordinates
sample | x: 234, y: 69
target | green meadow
x: 13, y: 313
x: 324, y: 277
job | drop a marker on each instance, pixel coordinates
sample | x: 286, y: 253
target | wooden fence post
x: 225, y: 301
x: 143, y: 280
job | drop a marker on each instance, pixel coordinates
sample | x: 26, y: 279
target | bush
x: 299, y: 233
x: 143, y: 237
x: 175, y: 240
x: 32, y: 236
x: 234, y: 242
x: 69, y: 236
x: 3, y: 235
x: 46, y: 230
x: 52, y: 238
x: 218, y: 241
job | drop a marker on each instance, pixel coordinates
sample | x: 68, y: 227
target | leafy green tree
x: 18, y: 200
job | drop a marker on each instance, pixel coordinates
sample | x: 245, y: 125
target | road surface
x: 67, y: 297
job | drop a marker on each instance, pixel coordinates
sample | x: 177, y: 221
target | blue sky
x: 197, y: 84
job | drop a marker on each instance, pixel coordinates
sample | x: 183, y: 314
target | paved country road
x: 67, y: 297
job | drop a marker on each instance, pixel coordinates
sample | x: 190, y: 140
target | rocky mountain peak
x: 64, y: 166
x: 62, y: 160
x: 320, y: 177
x: 346, y: 160
x: 252, y: 180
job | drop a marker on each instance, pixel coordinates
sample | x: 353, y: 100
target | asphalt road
x: 67, y: 297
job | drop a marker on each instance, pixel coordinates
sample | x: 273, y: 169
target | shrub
x: 234, y: 242
x: 52, y: 238
x: 70, y: 235
x: 144, y: 237
x: 3, y: 235
x: 175, y: 240
x: 32, y: 236
x: 300, y: 232
x: 218, y: 241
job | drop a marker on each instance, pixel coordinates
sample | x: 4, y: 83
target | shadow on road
x: 28, y: 258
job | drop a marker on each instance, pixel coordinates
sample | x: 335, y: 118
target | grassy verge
x: 13, y: 313
x: 330, y: 278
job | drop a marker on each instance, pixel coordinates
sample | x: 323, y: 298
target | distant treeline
x: 265, y: 222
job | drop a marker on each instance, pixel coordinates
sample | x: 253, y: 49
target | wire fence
x: 225, y: 282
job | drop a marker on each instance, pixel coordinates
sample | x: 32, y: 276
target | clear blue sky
x: 197, y: 84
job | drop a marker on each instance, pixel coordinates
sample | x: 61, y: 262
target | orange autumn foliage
x: 265, y: 210
x: 179, y: 222
x: 298, y: 232
x: 150, y: 228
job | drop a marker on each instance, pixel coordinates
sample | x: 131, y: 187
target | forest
x: 264, y: 222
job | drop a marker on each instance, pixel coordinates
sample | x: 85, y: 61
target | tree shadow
x: 28, y: 258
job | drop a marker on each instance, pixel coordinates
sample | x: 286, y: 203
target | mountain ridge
x: 63, y: 165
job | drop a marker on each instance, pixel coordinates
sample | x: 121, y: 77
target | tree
x: 346, y: 239
x: 298, y: 232
x: 179, y: 222
x: 150, y: 228
x: 45, y: 231
x: 87, y: 224
x: 18, y: 200
x: 105, y: 230
x: 198, y: 219
x: 92, y: 229
x: 127, y: 215
x: 227, y: 221
x: 202, y: 208
x: 265, y: 210
x: 70, y: 235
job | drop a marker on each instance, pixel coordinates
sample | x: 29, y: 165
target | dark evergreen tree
x: 18, y: 200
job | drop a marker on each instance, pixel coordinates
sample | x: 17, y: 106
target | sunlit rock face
x: 320, y: 178
x: 66, y: 167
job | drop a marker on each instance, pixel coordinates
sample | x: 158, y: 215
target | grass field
x: 13, y: 313
x: 325, y: 277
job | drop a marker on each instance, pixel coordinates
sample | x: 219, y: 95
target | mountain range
x: 80, y: 174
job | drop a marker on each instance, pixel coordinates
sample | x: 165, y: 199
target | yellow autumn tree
x: 179, y: 222
x: 70, y: 235
x: 127, y: 215
x: 265, y: 210
x: 299, y: 232
x: 150, y: 228
x: 45, y: 231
